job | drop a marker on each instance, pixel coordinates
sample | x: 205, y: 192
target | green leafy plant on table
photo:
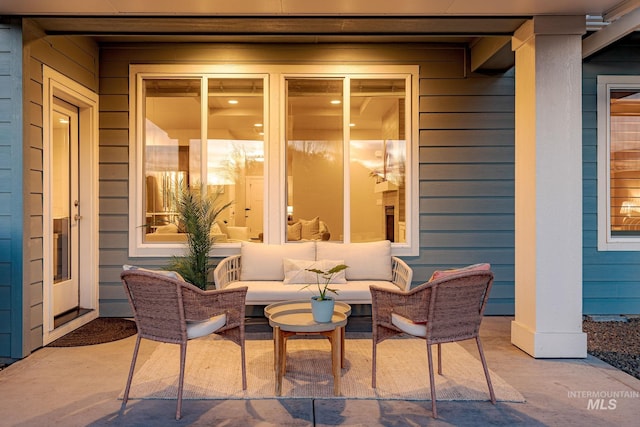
x: 324, y: 279
x: 198, y: 208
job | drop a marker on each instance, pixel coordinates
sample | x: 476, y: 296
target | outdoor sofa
x: 274, y: 273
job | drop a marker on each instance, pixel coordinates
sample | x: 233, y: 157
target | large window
x: 619, y: 162
x: 302, y: 153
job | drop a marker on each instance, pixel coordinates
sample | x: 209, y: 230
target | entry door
x: 65, y: 207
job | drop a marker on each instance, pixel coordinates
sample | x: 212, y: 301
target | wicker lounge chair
x: 173, y: 311
x: 441, y: 311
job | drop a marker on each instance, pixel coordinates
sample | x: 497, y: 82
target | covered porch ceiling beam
x: 619, y: 28
x: 492, y: 53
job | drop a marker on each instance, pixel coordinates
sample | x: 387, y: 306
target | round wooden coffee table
x: 289, y: 318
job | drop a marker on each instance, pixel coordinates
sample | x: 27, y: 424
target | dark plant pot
x: 322, y: 309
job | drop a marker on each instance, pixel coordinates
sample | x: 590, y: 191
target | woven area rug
x: 98, y: 331
x: 213, y: 372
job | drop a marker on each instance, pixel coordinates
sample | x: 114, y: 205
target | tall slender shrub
x: 197, y: 209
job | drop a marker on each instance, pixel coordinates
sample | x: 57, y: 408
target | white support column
x: 548, y: 188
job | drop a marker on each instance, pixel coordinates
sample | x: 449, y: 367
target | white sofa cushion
x: 366, y: 261
x: 265, y: 262
x: 266, y: 292
x: 296, y: 271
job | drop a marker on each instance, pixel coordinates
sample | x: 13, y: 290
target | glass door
x: 65, y: 207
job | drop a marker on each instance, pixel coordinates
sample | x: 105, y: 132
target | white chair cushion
x: 366, y: 261
x: 407, y: 326
x: 265, y: 262
x: 166, y: 273
x: 205, y: 327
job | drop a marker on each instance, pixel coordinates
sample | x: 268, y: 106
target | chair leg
x: 244, y: 365
x: 183, y: 357
x: 373, y: 363
x: 439, y: 359
x: 486, y: 371
x: 125, y: 399
x: 432, y: 383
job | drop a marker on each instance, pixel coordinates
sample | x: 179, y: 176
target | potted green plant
x: 198, y: 209
x: 322, y: 304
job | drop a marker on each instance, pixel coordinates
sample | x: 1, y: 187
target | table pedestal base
x: 336, y: 338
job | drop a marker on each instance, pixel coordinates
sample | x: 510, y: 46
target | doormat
x: 98, y: 331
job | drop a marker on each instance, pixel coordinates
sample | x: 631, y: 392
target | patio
x: 79, y: 386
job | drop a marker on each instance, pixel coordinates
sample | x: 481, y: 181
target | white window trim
x: 607, y: 242
x: 274, y: 153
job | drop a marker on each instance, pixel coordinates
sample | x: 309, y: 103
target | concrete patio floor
x: 79, y: 386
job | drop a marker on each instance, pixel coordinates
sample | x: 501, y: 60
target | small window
x: 619, y: 163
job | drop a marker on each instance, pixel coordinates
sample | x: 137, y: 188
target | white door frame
x: 60, y: 86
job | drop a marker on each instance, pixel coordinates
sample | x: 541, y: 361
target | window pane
x: 235, y: 155
x: 314, y: 163
x: 625, y: 162
x: 172, y: 120
x: 377, y: 156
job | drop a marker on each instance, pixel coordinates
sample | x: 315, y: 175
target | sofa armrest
x: 401, y: 274
x: 227, y: 271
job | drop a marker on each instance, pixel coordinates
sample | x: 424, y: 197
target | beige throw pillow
x: 296, y: 271
x: 310, y: 228
x: 294, y: 231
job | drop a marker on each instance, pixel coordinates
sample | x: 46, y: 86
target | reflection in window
x: 378, y: 159
x: 625, y: 162
x: 315, y: 173
x: 303, y: 152
x: 316, y: 117
x: 230, y: 162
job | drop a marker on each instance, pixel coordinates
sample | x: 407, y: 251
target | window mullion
x: 346, y: 138
x: 204, y: 126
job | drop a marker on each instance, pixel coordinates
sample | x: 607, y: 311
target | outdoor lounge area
x: 81, y: 386
x: 255, y: 148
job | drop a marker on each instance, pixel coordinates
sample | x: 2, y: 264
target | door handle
x: 77, y: 217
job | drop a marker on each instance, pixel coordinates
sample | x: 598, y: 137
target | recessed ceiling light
x: 335, y: 101
x: 258, y: 125
x: 233, y: 101
x: 352, y: 124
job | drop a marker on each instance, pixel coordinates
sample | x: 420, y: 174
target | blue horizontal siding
x: 11, y: 191
x: 466, y: 172
x: 611, y: 279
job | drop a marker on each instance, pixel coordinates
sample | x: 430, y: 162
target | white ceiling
x: 308, y: 7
